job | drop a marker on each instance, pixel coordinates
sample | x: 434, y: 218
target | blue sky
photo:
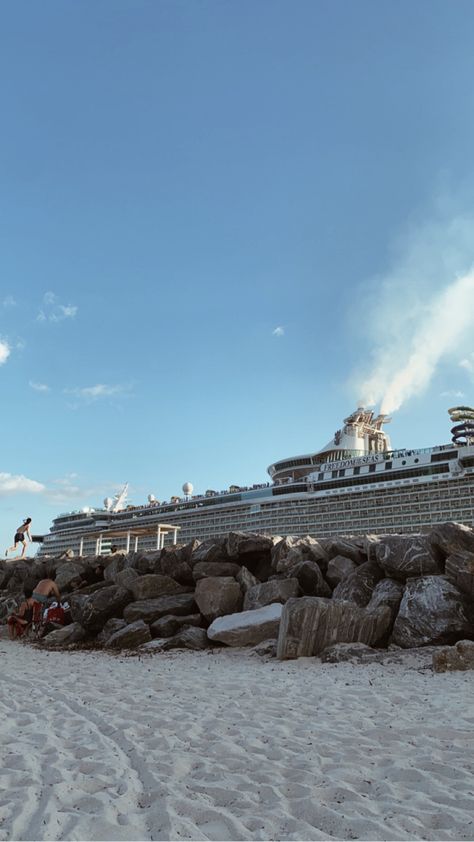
x: 216, y: 220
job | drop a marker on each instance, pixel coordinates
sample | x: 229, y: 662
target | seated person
x: 19, y: 621
x: 45, y: 591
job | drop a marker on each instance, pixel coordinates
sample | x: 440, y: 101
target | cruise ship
x: 356, y: 484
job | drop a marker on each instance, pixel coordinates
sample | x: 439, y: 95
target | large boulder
x: 310, y: 578
x: 113, y: 625
x: 174, y: 562
x: 247, y: 628
x: 449, y: 538
x: 291, y: 550
x: 66, y: 636
x: 133, y: 635
x: 208, y: 569
x: 246, y: 579
x: 188, y: 637
x: 144, y: 561
x: 218, y: 596
x: 150, y: 610
x: 5, y: 573
x: 126, y: 577
x: 405, y: 556
x: 115, y: 565
x: 387, y: 593
x: 154, y: 584
x: 69, y: 576
x: 266, y: 593
x: 249, y: 544
x: 458, y: 657
x: 432, y: 611
x: 460, y: 571
x: 310, y: 624
x: 214, y: 549
x: 338, y: 569
x: 348, y: 548
x: 92, y: 612
x: 168, y: 625
x: 359, y: 585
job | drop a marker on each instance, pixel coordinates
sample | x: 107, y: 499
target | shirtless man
x: 19, y: 538
x: 45, y: 591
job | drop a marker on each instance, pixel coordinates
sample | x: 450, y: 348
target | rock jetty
x: 296, y: 596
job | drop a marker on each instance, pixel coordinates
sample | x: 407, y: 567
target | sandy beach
x: 227, y: 745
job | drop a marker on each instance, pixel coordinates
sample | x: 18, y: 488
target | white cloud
x: 69, y: 488
x: 452, y: 394
x: 4, y: 351
x: 52, y: 310
x: 279, y: 331
x: 39, y: 387
x: 12, y: 484
x: 89, y: 394
x: 468, y: 363
x: 9, y: 301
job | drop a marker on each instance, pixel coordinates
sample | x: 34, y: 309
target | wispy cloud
x: 4, y: 351
x: 90, y: 394
x: 14, y: 484
x: 52, y: 310
x: 452, y: 394
x: 71, y: 489
x: 279, y: 331
x: 39, y: 387
x: 420, y: 314
x: 9, y: 301
x: 468, y: 363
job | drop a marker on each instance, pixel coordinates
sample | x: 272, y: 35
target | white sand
x: 229, y: 746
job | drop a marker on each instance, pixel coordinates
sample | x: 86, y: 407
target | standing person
x: 19, y: 538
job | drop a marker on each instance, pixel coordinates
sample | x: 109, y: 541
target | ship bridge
x: 360, y: 435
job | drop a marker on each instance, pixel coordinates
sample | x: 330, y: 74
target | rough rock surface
x: 188, y: 637
x: 310, y: 578
x: 246, y: 628
x: 93, y: 611
x: 291, y: 550
x: 338, y: 569
x: 405, y: 556
x: 174, y: 562
x: 214, y: 549
x: 448, y: 538
x: 113, y: 625
x: 460, y: 571
x: 246, y: 579
x: 359, y: 585
x: 345, y: 547
x: 170, y: 624
x: 154, y: 584
x: 150, y: 610
x: 69, y: 576
x: 458, y: 657
x: 247, y: 544
x: 355, y: 652
x: 129, y: 637
x: 126, y: 577
x: 115, y: 564
x: 432, y: 611
x: 218, y: 596
x: 74, y: 633
x: 388, y: 593
x: 277, y: 590
x: 209, y: 569
x: 310, y: 624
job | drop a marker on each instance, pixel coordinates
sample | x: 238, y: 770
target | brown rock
x: 310, y: 579
x: 150, y: 610
x: 246, y: 579
x: 206, y: 569
x: 276, y: 590
x: 460, y: 571
x: 154, y: 584
x: 458, y: 657
x: 218, y: 596
x: 170, y: 624
x: 338, y: 569
x: 450, y: 538
x: 359, y: 585
x: 133, y: 635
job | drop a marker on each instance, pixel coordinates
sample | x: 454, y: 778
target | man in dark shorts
x: 19, y: 538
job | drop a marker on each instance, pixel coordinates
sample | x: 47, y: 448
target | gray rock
x: 218, y: 596
x: 310, y: 624
x: 214, y: 549
x: 69, y: 576
x: 359, y: 585
x: 168, y: 625
x: 65, y: 636
x: 310, y: 579
x: 338, y: 569
x: 114, y: 565
x: 94, y: 611
x: 152, y: 585
x: 209, y: 569
x: 241, y: 544
x: 133, y: 635
x: 432, y: 612
x: 174, y: 562
x: 267, y: 648
x: 291, y: 550
x: 150, y: 610
x: 246, y: 579
x: 246, y: 628
x: 125, y: 578
x: 353, y: 652
x: 188, y: 637
x: 405, y: 556
x: 347, y: 548
x: 277, y: 590
x: 458, y: 657
x: 450, y: 538
x: 460, y: 571
x: 113, y: 625
x: 387, y: 593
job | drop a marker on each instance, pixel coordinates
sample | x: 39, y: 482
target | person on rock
x: 19, y: 538
x: 19, y: 621
x: 45, y: 591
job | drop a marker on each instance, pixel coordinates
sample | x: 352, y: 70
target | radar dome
x: 151, y: 498
x: 108, y: 503
x: 188, y: 488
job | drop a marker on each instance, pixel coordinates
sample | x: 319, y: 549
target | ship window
x: 372, y: 469
x: 356, y: 471
x: 334, y: 474
x: 388, y: 465
x: 321, y: 476
x: 342, y: 473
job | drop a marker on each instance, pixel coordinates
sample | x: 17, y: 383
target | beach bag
x: 55, y: 614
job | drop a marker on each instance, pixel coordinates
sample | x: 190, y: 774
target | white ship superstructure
x: 356, y: 484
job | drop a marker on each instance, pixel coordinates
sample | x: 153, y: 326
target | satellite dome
x: 108, y: 503
x: 188, y: 488
x: 151, y: 498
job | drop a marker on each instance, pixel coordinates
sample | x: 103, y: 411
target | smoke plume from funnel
x: 440, y: 326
